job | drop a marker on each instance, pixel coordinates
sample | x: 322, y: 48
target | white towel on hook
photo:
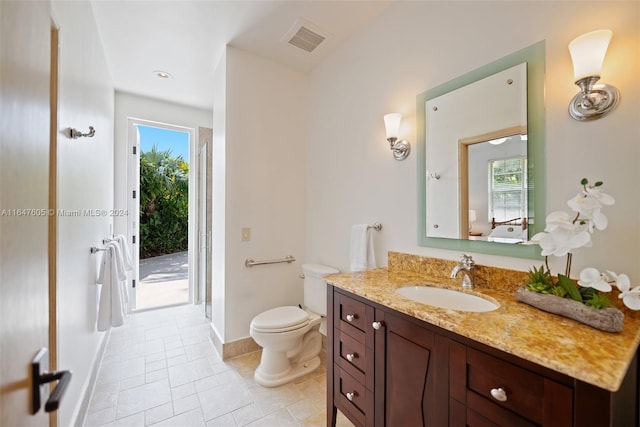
x: 362, y: 254
x: 113, y: 298
x: 124, y: 249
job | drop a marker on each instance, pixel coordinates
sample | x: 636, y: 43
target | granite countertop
x: 580, y: 351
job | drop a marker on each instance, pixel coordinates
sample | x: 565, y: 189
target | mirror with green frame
x: 481, y: 172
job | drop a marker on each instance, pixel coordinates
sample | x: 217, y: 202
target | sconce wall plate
x: 401, y: 149
x: 593, y: 102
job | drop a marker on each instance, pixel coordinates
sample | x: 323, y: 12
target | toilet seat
x: 280, y: 319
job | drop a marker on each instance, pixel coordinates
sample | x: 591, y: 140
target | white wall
x: 85, y: 181
x: 219, y: 194
x: 265, y: 128
x: 414, y: 46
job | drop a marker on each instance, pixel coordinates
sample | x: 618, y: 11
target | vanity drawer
x: 352, y: 398
x: 527, y: 397
x: 353, y: 316
x: 523, y: 390
x: 354, y: 357
x: 352, y: 352
x: 532, y: 396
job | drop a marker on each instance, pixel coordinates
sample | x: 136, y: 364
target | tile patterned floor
x: 161, y: 369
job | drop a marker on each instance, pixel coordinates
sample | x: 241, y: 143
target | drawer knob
x: 352, y: 356
x: 499, y: 394
x: 376, y: 325
x: 350, y: 396
x: 351, y: 317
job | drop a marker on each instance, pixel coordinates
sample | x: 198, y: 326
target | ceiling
x: 187, y: 38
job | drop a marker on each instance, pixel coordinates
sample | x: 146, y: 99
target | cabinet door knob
x: 350, y: 396
x: 499, y: 394
x: 351, y: 317
x: 352, y: 356
x: 376, y: 325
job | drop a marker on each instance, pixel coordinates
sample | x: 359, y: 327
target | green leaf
x: 569, y: 286
x: 588, y: 293
x: 584, y: 181
x: 598, y: 184
x: 599, y: 301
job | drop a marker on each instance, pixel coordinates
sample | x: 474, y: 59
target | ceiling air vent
x: 305, y: 35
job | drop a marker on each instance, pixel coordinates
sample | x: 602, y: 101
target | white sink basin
x: 447, y: 298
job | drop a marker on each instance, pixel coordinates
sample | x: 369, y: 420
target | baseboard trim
x: 233, y: 348
x: 81, y: 408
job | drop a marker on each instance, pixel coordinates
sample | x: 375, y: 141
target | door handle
x: 40, y: 376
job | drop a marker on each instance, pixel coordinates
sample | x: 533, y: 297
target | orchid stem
x: 546, y: 262
x: 568, y: 269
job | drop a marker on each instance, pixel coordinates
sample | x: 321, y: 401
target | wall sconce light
x: 400, y: 148
x: 587, y: 53
x: 473, y: 217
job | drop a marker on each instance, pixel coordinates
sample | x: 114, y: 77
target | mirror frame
x: 534, y: 56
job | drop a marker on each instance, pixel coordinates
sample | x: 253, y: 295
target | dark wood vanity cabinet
x: 385, y: 368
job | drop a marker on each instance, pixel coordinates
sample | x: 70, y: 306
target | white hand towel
x: 112, y: 308
x: 124, y: 249
x: 362, y: 254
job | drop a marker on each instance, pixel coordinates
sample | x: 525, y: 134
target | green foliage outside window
x: 164, y: 203
x: 508, y: 188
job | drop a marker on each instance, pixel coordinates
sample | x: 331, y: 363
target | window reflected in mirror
x: 497, y: 188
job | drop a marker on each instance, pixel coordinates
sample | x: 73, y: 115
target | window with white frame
x: 508, y: 188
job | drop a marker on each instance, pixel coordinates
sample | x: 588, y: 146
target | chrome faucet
x: 466, y: 267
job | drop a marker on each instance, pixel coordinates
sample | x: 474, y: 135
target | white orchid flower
x: 559, y: 219
x: 621, y: 280
x: 630, y: 297
x: 590, y: 211
x: 602, y: 197
x: 561, y: 241
x: 592, y: 278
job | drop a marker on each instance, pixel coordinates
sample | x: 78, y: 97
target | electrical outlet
x: 246, y: 234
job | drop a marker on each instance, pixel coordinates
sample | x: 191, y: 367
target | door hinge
x: 134, y: 194
x: 133, y: 239
x: 134, y: 149
x: 133, y: 283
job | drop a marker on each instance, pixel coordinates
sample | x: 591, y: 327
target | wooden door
x: 24, y: 179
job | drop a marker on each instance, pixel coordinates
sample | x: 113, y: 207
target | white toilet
x: 290, y: 337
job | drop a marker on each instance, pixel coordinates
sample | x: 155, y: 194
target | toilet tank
x: 315, y: 287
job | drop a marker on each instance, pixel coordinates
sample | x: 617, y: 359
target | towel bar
x: 250, y: 262
x: 95, y: 249
x: 376, y: 226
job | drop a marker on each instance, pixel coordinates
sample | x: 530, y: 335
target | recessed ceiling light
x: 162, y: 74
x: 497, y: 141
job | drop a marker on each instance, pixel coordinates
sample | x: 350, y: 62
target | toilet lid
x: 280, y: 318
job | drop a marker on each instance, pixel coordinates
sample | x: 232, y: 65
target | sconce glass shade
x: 587, y: 53
x: 392, y: 124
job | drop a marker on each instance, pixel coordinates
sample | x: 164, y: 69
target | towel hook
x: 376, y: 226
x: 75, y: 133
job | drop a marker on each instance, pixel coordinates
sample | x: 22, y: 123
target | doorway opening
x: 162, y: 207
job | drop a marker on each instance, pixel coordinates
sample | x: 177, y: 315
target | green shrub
x: 164, y: 203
